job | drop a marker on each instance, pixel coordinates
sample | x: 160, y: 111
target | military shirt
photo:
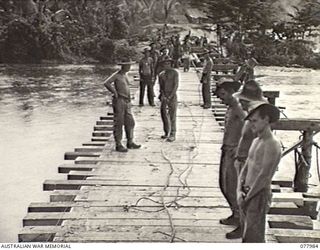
x: 146, y: 66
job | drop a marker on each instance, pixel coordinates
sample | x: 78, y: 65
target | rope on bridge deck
x: 184, y: 182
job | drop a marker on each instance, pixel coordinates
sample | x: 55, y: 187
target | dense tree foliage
x: 76, y: 30
x: 107, y: 31
x: 275, y: 37
x: 65, y: 30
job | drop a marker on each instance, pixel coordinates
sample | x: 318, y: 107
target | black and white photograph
x: 159, y: 121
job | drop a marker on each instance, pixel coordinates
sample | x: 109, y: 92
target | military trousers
x: 253, y: 217
x: 206, y: 94
x: 146, y: 81
x: 168, y: 111
x: 122, y: 118
x: 228, y: 177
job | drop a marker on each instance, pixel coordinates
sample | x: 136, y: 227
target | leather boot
x: 235, y: 234
x: 132, y: 145
x: 231, y: 220
x: 121, y: 148
x: 171, y: 138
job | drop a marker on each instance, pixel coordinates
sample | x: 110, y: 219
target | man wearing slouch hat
x: 249, y: 94
x: 121, y: 103
x: 254, y: 183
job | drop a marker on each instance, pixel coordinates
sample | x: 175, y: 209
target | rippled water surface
x: 48, y: 110
x: 44, y: 112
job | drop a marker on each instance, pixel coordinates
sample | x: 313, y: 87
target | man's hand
x: 240, y: 199
x: 163, y: 98
x: 115, y: 95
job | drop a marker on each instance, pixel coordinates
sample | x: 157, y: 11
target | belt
x: 124, y: 98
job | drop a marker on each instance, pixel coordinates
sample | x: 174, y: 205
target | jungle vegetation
x: 106, y: 31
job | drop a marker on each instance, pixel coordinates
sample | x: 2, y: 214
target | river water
x: 48, y: 110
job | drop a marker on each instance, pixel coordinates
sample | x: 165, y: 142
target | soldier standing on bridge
x: 247, y: 96
x: 121, y: 104
x: 146, y: 72
x: 246, y: 71
x: 206, y: 81
x: 233, y: 124
x: 254, y: 183
x: 169, y: 81
x: 154, y: 54
x: 176, y: 54
x: 250, y: 93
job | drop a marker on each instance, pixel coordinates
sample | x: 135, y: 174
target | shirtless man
x: 206, y: 81
x: 146, y: 72
x: 169, y: 81
x: 254, y: 185
x: 121, y: 104
x: 233, y: 124
x: 250, y: 93
x: 247, y: 96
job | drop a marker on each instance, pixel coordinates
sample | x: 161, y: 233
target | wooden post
x: 302, y: 174
x: 272, y: 100
x: 271, y: 95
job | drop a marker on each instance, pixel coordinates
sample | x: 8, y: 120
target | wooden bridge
x: 163, y: 192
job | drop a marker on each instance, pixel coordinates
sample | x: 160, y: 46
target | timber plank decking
x: 162, y: 192
x: 196, y: 203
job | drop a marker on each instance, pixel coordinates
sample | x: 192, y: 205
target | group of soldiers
x: 248, y: 159
x: 153, y: 66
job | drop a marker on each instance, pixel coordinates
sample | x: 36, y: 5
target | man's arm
x: 241, y: 178
x: 108, y: 84
x: 270, y: 160
x: 245, y: 142
x: 238, y: 109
